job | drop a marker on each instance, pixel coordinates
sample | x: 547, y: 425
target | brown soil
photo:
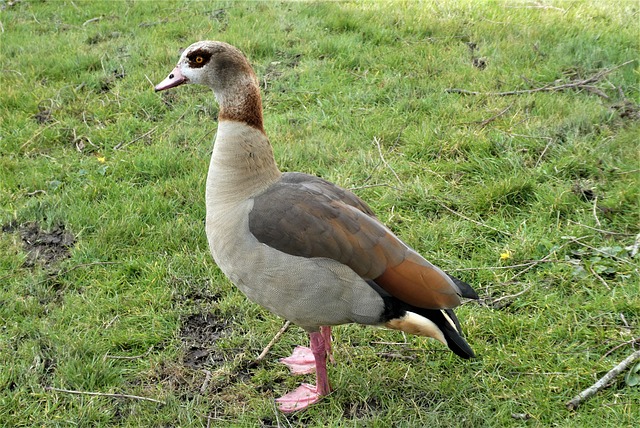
x: 43, y: 247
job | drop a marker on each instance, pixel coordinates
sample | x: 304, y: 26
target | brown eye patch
x: 198, y: 58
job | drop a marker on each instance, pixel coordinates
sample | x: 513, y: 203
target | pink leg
x: 326, y: 335
x: 306, y: 394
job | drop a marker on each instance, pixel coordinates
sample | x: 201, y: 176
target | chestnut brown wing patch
x: 306, y: 216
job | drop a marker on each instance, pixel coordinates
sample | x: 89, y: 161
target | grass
x: 87, y: 149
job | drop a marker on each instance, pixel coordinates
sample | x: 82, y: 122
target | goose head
x: 214, y: 64
x: 226, y: 70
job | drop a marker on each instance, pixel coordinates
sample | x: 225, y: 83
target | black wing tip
x: 465, y: 289
x: 460, y: 347
x: 453, y: 334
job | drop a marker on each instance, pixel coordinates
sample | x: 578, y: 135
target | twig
x: 576, y: 240
x: 485, y: 122
x: 471, y: 220
x: 615, y: 348
x: 602, y: 382
x: 72, y: 268
x: 36, y: 134
x: 207, y: 379
x: 595, y: 214
x: 607, y: 232
x: 110, y: 323
x: 103, y: 394
x: 123, y: 357
x: 266, y: 350
x: 89, y: 21
x: 539, y: 5
x: 391, y: 355
x: 636, y: 244
x: 389, y: 343
x: 520, y: 293
x: 12, y: 71
x: 544, y: 152
x: 384, y: 161
x: 368, y: 186
x: 122, y: 146
x: 536, y: 137
x: 546, y: 88
x: 600, y: 278
x: 624, y: 321
x: 527, y: 264
x: 149, y: 80
x: 545, y: 258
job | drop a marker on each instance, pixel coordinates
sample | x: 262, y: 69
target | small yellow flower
x: 101, y: 159
x: 505, y: 255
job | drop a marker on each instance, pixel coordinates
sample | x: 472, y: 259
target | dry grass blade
x: 103, y: 394
x: 574, y: 84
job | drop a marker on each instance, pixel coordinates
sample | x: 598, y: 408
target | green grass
x: 85, y: 143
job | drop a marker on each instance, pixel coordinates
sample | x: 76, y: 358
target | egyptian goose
x: 302, y: 247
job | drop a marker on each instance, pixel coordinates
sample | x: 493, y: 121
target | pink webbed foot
x: 305, y: 360
x: 301, y: 361
x: 302, y: 397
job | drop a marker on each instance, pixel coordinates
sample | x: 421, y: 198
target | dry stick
x: 546, y: 88
x: 389, y: 343
x: 543, y: 152
x: 133, y: 397
x: 595, y: 214
x: 491, y: 119
x: 628, y: 342
x: 152, y: 130
x: 396, y: 355
x: 122, y: 146
x: 471, y: 220
x: 110, y: 323
x: 266, y: 350
x: 602, y: 382
x: 576, y: 240
x: 607, y: 232
x: 369, y: 186
x: 624, y: 320
x: 600, y: 278
x: 72, y: 268
x: 532, y: 262
x: 636, y: 244
x: 103, y: 394
x: 485, y: 122
x: 384, y: 161
x: 520, y: 293
x: 37, y: 133
x: 124, y: 357
x: 88, y: 21
x: 538, y: 261
x: 207, y: 379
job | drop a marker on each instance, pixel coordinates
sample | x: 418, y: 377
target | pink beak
x: 174, y: 79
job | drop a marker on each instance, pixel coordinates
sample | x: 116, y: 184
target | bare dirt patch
x: 43, y: 247
x: 194, y: 292
x: 199, y: 334
x: 627, y: 109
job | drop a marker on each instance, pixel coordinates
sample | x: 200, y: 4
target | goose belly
x: 309, y: 292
